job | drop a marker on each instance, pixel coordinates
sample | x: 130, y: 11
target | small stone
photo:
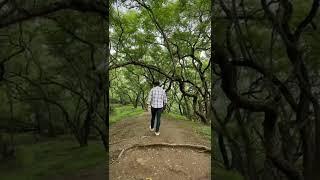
x: 141, y: 161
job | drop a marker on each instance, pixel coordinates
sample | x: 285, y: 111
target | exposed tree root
x: 203, y: 149
x: 118, y: 141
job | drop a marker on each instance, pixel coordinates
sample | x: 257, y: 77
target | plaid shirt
x: 157, y: 97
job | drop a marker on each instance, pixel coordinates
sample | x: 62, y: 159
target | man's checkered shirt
x: 157, y: 97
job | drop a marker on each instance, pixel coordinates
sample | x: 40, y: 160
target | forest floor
x: 157, y: 162
x: 58, y: 158
x: 97, y: 173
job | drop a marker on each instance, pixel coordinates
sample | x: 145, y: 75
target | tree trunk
x: 273, y: 149
x: 223, y: 151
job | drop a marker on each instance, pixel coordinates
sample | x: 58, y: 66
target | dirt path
x: 158, y: 163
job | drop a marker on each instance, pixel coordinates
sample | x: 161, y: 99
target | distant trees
x: 167, y: 41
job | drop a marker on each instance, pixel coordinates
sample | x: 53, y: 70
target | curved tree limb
x: 308, y: 19
x: 17, y: 15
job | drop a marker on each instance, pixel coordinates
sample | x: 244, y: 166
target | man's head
x: 156, y: 83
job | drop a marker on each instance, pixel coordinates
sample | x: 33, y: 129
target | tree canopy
x: 167, y: 41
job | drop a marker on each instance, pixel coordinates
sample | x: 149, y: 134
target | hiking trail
x: 179, y: 153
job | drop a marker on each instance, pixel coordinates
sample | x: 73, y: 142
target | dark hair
x: 156, y: 83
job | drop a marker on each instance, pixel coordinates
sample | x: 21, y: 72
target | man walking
x: 157, y: 100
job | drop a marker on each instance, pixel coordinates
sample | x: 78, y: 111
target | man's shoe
x: 151, y: 129
x: 157, y: 133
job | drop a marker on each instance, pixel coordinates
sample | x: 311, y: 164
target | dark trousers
x: 155, y: 112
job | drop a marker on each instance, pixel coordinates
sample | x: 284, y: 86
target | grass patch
x: 203, y: 130
x: 122, y: 112
x: 175, y: 116
x: 54, y: 157
x: 200, y: 128
x: 223, y: 174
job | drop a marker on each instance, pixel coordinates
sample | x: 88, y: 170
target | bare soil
x: 157, y: 163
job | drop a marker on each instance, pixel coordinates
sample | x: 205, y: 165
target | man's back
x: 157, y: 97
